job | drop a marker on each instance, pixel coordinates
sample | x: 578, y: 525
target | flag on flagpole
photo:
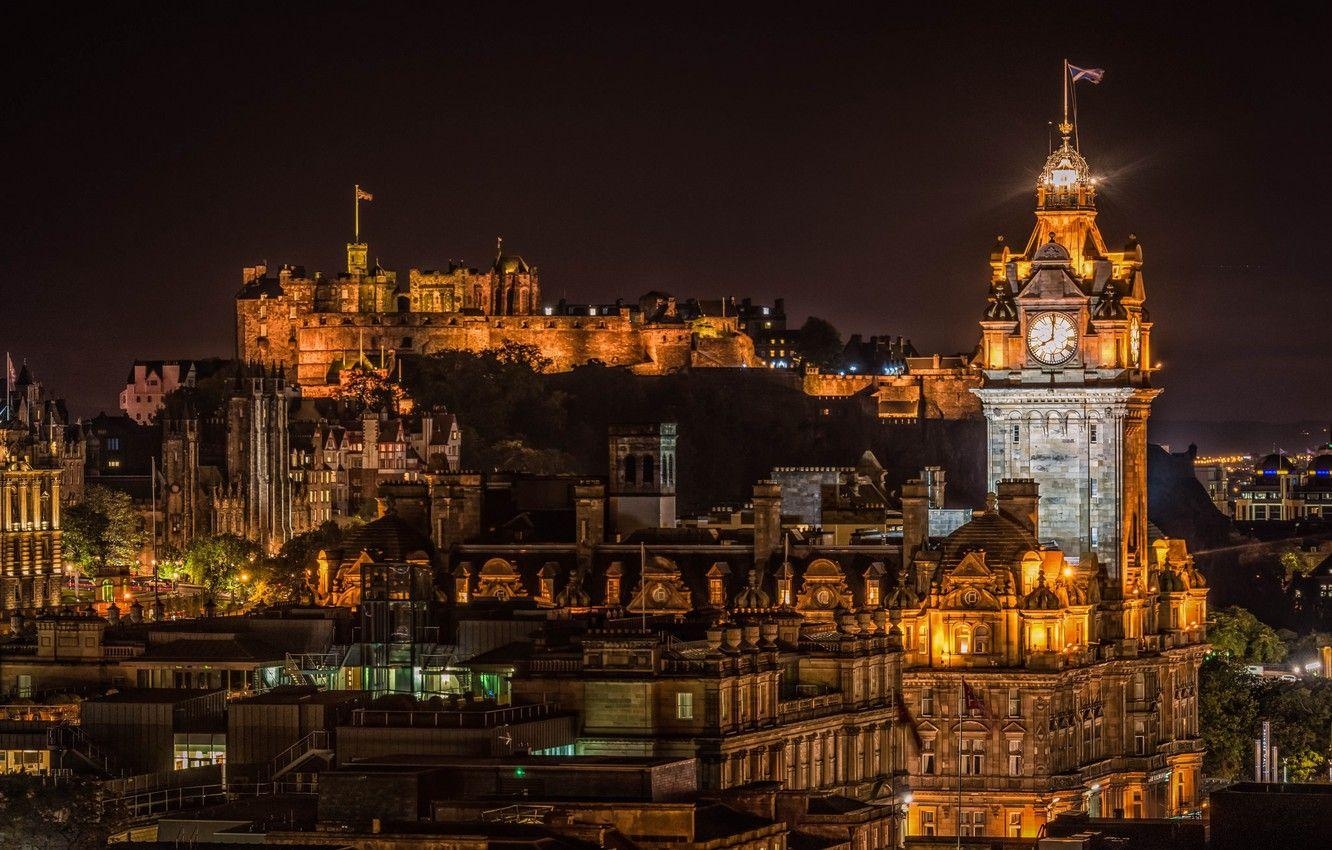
x: 974, y: 703
x: 362, y: 195
x: 10, y: 375
x: 1091, y: 75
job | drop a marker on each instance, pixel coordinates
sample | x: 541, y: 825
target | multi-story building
x: 1281, y: 488
x: 41, y: 469
x: 150, y: 381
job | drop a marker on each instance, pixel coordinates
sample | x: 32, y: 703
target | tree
x: 284, y: 577
x: 1227, y: 715
x: 1242, y: 637
x: 41, y: 813
x: 1301, y: 715
x: 222, y: 563
x: 101, y: 531
x: 820, y: 344
x: 368, y: 389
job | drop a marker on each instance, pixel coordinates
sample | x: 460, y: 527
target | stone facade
x: 30, y: 545
x: 320, y: 325
x: 642, y: 480
x: 933, y: 387
x: 1066, y: 355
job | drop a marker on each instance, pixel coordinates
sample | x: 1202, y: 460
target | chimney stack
x: 1019, y: 499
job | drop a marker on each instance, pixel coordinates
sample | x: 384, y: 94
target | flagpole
x: 356, y: 203
x: 1065, y: 93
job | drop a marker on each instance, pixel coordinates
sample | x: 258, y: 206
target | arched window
x: 630, y: 469
x: 648, y: 470
x: 981, y: 640
x: 962, y: 639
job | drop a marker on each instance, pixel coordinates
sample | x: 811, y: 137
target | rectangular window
x: 1014, y: 756
x: 973, y: 822
x: 1139, y: 737
x: 927, y: 702
x: 973, y: 756
x: 1015, y: 824
x: 1091, y: 434
x: 927, y: 822
x: 684, y: 706
x: 1017, y: 434
x: 1014, y: 702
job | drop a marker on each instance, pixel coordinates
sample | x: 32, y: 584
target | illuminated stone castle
x: 320, y: 325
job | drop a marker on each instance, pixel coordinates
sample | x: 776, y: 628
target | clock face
x: 1135, y: 341
x: 1052, y: 338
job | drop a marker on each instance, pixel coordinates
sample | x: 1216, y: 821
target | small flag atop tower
x: 362, y: 195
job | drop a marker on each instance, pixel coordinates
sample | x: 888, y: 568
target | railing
x: 555, y: 665
x: 65, y: 713
x: 114, y: 652
x: 452, y: 719
x: 518, y: 814
x: 73, y: 739
x: 318, y: 741
x: 802, y: 709
x: 150, y: 804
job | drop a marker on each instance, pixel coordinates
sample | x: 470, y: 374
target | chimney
x: 589, y: 517
x: 915, y: 517
x: 767, y: 520
x: 934, y: 478
x: 1018, y: 498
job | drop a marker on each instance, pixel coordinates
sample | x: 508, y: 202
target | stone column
x: 55, y: 501
x: 23, y: 504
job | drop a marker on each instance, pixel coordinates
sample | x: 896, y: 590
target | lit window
x: 684, y: 706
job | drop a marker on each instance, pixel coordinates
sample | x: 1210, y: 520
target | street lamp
x: 901, y: 810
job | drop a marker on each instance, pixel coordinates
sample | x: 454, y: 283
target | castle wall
x: 327, y: 338
x: 926, y: 394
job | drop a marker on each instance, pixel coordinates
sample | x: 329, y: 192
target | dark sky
x: 858, y: 161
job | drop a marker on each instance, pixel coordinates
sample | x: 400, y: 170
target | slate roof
x: 388, y: 538
x: 1003, y: 539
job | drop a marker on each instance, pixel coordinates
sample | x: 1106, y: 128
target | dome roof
x: 1321, y: 465
x: 1064, y: 169
x: 1003, y: 539
x: 1273, y: 464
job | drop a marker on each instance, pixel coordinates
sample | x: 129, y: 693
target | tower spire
x: 1065, y: 127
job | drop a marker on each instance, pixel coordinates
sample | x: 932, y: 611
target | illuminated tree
x: 222, y: 563
x: 101, y: 531
x: 368, y: 389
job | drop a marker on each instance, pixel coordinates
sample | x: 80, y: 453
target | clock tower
x: 1066, y: 353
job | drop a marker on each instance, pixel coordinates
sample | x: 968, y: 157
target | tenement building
x: 317, y: 324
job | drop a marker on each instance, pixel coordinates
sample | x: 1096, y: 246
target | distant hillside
x: 737, y: 425
x: 1178, y: 503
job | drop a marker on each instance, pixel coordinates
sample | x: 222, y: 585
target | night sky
x: 858, y: 163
